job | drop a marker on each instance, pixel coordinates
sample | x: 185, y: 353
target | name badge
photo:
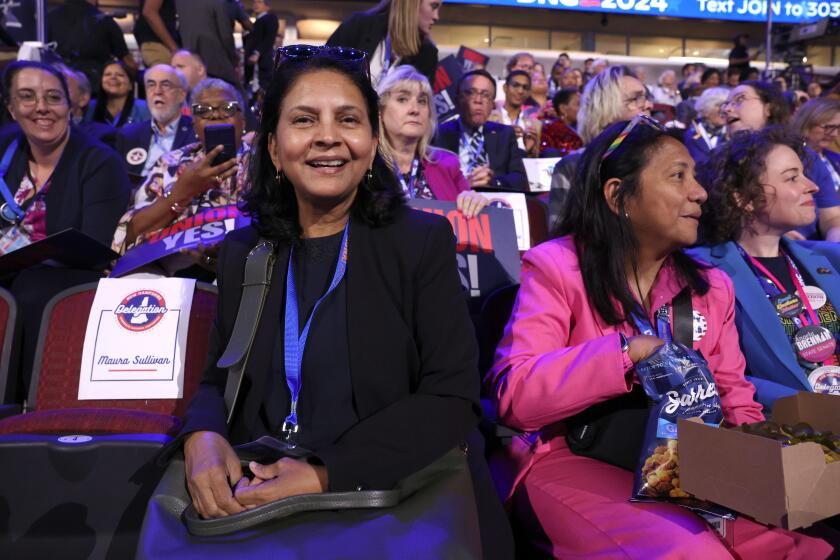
x: 825, y: 379
x: 14, y: 239
x: 814, y: 343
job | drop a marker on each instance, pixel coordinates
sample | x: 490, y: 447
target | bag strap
x: 258, y: 270
x: 683, y: 318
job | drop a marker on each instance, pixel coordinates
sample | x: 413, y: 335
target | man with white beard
x: 143, y: 143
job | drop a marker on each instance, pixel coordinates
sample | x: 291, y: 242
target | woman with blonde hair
x: 818, y: 122
x: 408, y: 123
x: 393, y: 33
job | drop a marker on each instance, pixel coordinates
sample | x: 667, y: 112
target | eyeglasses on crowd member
x: 576, y: 334
x: 784, y: 289
x: 512, y: 112
x: 487, y: 151
x: 52, y: 177
x: 186, y: 181
x: 393, y: 33
x: 142, y: 144
x: 614, y: 94
x: 818, y: 121
x: 752, y: 106
x: 115, y: 104
x: 390, y: 351
x: 407, y: 125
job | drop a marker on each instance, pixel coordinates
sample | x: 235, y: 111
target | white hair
x: 710, y: 100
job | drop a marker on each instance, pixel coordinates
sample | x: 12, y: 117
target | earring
x: 627, y: 214
x: 279, y: 176
x: 368, y: 177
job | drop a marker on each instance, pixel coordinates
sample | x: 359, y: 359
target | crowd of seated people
x: 738, y: 204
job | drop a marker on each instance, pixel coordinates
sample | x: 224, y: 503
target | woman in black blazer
x: 57, y: 178
x: 392, y: 33
x: 389, y: 380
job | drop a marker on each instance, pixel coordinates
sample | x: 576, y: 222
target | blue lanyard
x: 663, y: 323
x: 295, y: 345
x: 408, y: 186
x: 4, y: 188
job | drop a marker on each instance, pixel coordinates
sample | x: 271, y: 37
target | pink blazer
x: 444, y: 175
x: 557, y: 356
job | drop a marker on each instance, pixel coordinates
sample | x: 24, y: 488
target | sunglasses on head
x: 354, y: 57
x: 642, y: 119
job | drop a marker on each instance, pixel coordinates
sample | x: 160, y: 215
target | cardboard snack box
x: 789, y: 487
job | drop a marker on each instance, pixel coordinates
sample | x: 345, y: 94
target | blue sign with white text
x: 784, y: 11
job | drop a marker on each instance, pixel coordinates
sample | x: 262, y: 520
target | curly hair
x: 273, y: 203
x: 732, y: 179
x: 771, y: 96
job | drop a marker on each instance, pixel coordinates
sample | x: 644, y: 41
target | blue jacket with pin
x: 772, y: 365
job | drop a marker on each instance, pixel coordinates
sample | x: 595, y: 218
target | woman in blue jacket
x: 787, y: 292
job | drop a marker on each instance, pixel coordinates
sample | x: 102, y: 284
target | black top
x: 739, y: 51
x: 325, y: 405
x: 143, y: 31
x: 778, y: 267
x: 85, y: 36
x: 411, y: 351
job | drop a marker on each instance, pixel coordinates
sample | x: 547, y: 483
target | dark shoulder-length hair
x: 605, y: 240
x: 100, y: 110
x: 273, y: 204
x: 771, y: 95
x: 14, y: 68
x: 732, y: 177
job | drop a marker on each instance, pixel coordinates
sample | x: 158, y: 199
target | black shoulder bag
x: 439, y: 494
x: 612, y: 431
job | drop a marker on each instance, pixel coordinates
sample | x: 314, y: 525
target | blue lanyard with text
x: 17, y: 213
x: 663, y: 323
x: 408, y: 186
x: 294, y: 344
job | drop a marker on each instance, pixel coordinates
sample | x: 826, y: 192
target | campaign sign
x: 208, y: 226
x: 517, y: 203
x: 784, y: 11
x: 448, y: 72
x: 539, y: 172
x: 471, y: 58
x: 486, y: 249
x: 136, y: 339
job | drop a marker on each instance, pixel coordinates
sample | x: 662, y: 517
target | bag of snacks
x: 680, y: 385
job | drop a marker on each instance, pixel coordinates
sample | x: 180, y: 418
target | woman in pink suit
x: 571, y: 343
x: 408, y: 122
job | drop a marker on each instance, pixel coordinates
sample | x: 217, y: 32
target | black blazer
x: 261, y: 40
x: 365, y: 30
x: 139, y: 135
x: 413, y: 355
x: 89, y: 189
x: 504, y: 154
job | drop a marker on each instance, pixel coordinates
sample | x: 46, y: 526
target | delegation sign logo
x: 140, y: 311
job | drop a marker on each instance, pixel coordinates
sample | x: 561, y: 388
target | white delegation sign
x: 136, y: 339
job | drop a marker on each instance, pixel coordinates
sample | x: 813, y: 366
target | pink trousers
x: 574, y: 507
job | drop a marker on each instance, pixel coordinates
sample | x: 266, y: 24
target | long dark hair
x: 100, y: 111
x: 273, y: 204
x: 605, y: 239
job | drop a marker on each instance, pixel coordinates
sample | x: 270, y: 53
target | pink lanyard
x: 797, y: 282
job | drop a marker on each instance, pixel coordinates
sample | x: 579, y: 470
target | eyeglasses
x: 737, y: 102
x: 28, y: 98
x: 829, y: 128
x: 519, y: 85
x: 165, y: 85
x: 354, y: 57
x: 641, y: 118
x: 210, y: 112
x: 639, y: 99
x: 477, y: 93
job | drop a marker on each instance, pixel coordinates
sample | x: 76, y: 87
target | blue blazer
x: 139, y: 135
x: 503, y: 153
x: 771, y: 363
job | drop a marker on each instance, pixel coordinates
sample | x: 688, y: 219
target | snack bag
x: 680, y: 385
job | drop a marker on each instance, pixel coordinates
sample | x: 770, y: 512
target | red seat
x: 8, y: 330
x: 537, y: 220
x: 55, y: 380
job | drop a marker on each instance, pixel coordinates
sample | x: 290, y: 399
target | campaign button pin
x: 825, y: 379
x: 136, y: 156
x: 814, y: 343
x: 788, y: 305
x: 816, y: 297
x: 823, y: 270
x: 700, y: 326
